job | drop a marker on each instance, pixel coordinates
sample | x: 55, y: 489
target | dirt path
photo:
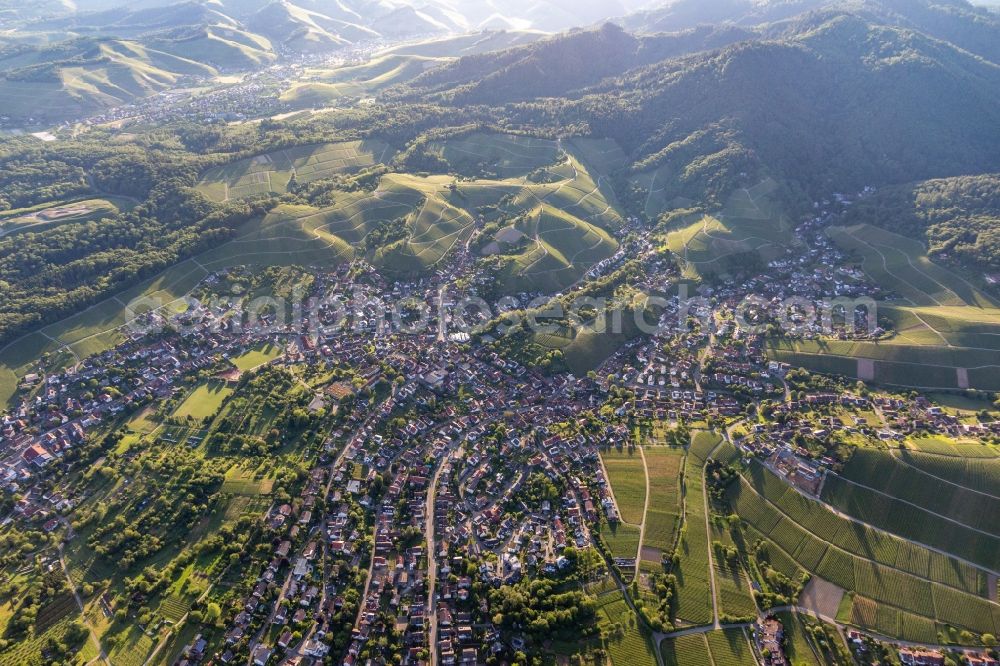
x: 645, y: 511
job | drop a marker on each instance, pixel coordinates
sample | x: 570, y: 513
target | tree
x: 212, y: 613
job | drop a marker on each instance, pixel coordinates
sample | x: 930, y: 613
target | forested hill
x: 828, y: 101
x: 957, y: 218
x: 560, y: 65
x: 842, y: 105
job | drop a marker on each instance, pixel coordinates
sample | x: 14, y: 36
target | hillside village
x: 499, y: 333
x: 446, y: 472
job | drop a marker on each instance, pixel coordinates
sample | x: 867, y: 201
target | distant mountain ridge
x: 410, y: 16
x: 958, y: 21
x: 46, y: 75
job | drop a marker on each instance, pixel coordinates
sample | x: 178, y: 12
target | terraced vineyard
x: 894, y: 362
x: 911, y: 522
x: 560, y: 247
x: 173, y: 608
x: 322, y: 86
x: 940, y: 445
x: 794, y: 514
x: 323, y: 322
x: 876, y: 474
x: 691, y: 650
x: 901, y: 264
x: 730, y: 647
x: 622, y: 539
x: 863, y: 559
x: 271, y: 173
x: 980, y: 474
x: 751, y: 223
x: 39, y: 218
x: 731, y: 581
x: 798, y: 646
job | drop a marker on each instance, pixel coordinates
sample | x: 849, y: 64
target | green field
x: 257, y: 357
x: 144, y: 422
x: 627, y: 477
x: 663, y: 516
x: 270, y: 173
x: 40, y: 218
x: 204, y: 401
x: 249, y: 483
